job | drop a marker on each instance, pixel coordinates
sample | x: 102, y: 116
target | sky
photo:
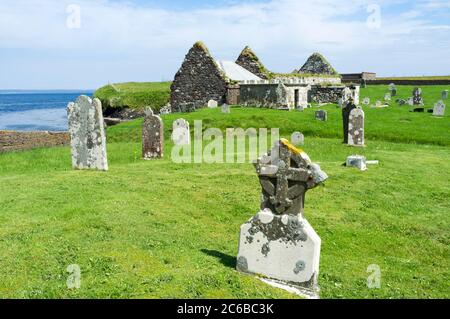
x: 84, y: 44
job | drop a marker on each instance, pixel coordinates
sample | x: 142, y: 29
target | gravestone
x: 152, y: 136
x: 393, y: 89
x: 345, y: 117
x: 387, y: 97
x: 445, y: 94
x: 439, y: 108
x: 212, y: 104
x: 297, y: 138
x: 366, y: 101
x: 347, y: 95
x: 417, y: 96
x: 181, y: 134
x: 321, y: 115
x: 87, y: 134
x: 357, y: 161
x: 356, y: 128
x: 226, y: 109
x: 278, y: 243
x: 410, y: 101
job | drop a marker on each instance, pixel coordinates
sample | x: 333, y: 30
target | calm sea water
x: 36, y: 110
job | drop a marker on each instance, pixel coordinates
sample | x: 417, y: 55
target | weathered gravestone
x: 366, y: 101
x: 279, y: 243
x: 439, y: 108
x: 87, y: 134
x: 357, y: 161
x: 321, y: 115
x: 356, y: 127
x: 417, y: 96
x: 445, y: 94
x: 152, y: 136
x: 225, y: 108
x: 181, y: 134
x: 410, y: 101
x: 297, y: 138
x: 347, y: 95
x: 212, y: 104
x: 345, y: 115
x: 393, y: 89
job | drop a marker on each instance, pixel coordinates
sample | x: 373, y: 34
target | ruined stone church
x: 202, y: 78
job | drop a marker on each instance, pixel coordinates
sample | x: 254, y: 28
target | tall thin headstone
x: 356, y: 127
x: 87, y: 134
x: 152, y: 136
x: 393, y: 89
x: 345, y: 118
x: 278, y: 243
x: 445, y: 94
x: 417, y: 96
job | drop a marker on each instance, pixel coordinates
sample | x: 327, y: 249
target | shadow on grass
x: 226, y: 260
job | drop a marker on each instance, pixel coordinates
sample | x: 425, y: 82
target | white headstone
x: 439, y: 108
x: 226, y: 109
x: 297, y: 138
x: 357, y: 161
x: 181, y: 134
x: 87, y: 134
x: 366, y: 101
x: 387, y: 97
x: 212, y: 104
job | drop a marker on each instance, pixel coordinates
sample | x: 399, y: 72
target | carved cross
x: 285, y: 176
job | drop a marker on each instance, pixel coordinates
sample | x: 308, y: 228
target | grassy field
x: 134, y: 95
x: 439, y: 77
x: 152, y: 229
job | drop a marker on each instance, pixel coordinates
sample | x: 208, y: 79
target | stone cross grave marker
x: 356, y: 127
x: 297, y: 138
x: 279, y: 243
x: 152, y: 136
x: 345, y: 117
x: 212, y: 104
x: 226, y: 109
x: 181, y: 134
x: 439, y: 108
x: 87, y: 134
x: 321, y: 115
x: 417, y: 96
x: 445, y: 94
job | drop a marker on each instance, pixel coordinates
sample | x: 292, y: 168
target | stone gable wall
x: 249, y: 61
x: 198, y: 81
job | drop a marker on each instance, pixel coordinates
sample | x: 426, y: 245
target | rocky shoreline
x: 20, y: 141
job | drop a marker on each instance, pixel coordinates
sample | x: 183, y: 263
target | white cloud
x: 120, y: 41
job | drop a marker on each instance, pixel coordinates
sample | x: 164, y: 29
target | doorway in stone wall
x: 296, y: 98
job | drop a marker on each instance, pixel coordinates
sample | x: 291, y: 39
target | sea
x: 36, y: 110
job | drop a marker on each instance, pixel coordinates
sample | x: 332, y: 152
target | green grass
x: 439, y: 77
x: 156, y: 229
x: 134, y: 95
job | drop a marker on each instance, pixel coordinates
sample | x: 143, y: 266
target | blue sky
x: 42, y: 46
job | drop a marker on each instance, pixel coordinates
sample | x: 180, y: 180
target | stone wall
x: 325, y: 94
x: 274, y: 95
x: 198, y: 81
x: 249, y: 61
x: 18, y: 141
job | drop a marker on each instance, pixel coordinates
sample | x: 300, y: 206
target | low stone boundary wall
x: 18, y: 141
